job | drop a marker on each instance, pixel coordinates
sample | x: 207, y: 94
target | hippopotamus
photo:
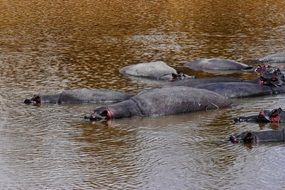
x: 270, y: 75
x: 200, y: 81
x: 273, y: 58
x: 264, y: 116
x: 242, y: 89
x: 162, y: 101
x: 259, y: 136
x: 157, y: 70
x: 269, y: 82
x: 79, y: 96
x: 216, y: 64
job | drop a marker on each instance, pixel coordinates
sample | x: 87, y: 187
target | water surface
x: 48, y: 46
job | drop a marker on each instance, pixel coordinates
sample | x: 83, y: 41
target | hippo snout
x: 99, y: 114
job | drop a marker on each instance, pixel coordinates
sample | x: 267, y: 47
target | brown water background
x: 49, y: 45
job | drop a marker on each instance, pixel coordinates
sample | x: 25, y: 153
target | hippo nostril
x: 27, y: 101
x: 233, y: 139
x: 96, y: 117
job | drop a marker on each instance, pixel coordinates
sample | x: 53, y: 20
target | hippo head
x: 246, y: 137
x: 35, y: 100
x: 180, y: 76
x: 269, y: 75
x: 100, y: 114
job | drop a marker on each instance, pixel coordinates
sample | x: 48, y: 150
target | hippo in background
x: 252, y: 137
x: 161, y: 101
x: 200, y: 81
x: 217, y: 64
x: 241, y: 89
x: 269, y: 82
x: 157, y: 70
x: 264, y: 116
x: 79, y: 96
x: 273, y: 58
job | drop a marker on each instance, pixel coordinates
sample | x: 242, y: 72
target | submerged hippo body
x: 162, y: 101
x: 216, y: 64
x: 264, y: 116
x: 273, y: 58
x: 200, y: 81
x: 79, y: 96
x: 154, y: 70
x: 241, y: 89
x: 259, y: 136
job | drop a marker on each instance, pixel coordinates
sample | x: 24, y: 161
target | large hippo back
x: 273, y: 58
x: 216, y: 64
x: 239, y: 89
x: 92, y: 96
x: 179, y: 99
x: 153, y: 70
x: 200, y: 81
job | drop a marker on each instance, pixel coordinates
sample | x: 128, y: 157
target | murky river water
x: 52, y: 45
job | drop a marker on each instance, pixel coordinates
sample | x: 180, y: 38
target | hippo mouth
x: 100, y: 114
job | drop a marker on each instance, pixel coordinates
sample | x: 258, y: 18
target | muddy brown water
x: 48, y: 45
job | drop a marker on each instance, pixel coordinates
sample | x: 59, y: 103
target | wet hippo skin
x: 79, y: 96
x: 162, y: 101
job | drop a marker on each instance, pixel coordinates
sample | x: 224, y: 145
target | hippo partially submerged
x: 269, y: 82
x: 157, y: 70
x: 264, y: 116
x: 200, y: 81
x: 216, y: 64
x: 79, y: 96
x: 162, y: 101
x: 259, y: 136
x: 273, y: 58
x: 242, y: 89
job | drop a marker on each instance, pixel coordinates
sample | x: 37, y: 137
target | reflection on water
x: 52, y: 45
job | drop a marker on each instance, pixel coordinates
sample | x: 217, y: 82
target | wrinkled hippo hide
x: 162, y: 101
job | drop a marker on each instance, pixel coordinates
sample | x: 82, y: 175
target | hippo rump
x: 216, y: 64
x: 79, y: 96
x: 157, y: 70
x: 259, y: 136
x: 264, y: 116
x: 273, y: 58
x: 162, y: 101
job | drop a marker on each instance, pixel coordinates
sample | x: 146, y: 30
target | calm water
x: 52, y: 45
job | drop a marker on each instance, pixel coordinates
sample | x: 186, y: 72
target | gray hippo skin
x: 241, y: 89
x: 259, y: 136
x: 216, y: 64
x: 264, y: 116
x: 162, y: 101
x: 201, y: 81
x: 79, y: 96
x: 153, y: 70
x: 273, y: 58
